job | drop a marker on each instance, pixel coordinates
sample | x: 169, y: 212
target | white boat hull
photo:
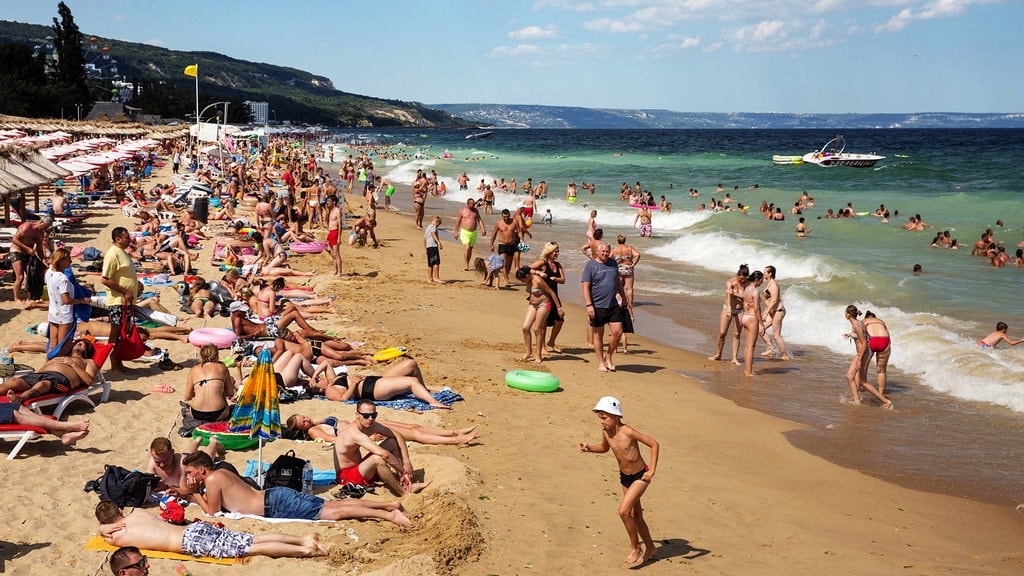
x: 843, y: 159
x: 780, y: 160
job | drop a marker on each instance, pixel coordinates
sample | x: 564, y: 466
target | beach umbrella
x: 257, y: 412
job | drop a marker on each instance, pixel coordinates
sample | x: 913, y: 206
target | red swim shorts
x: 332, y: 237
x: 351, y: 474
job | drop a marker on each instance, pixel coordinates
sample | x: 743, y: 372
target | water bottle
x: 307, y: 478
x: 5, y: 355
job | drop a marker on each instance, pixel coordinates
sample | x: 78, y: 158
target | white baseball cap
x: 237, y: 306
x: 609, y: 404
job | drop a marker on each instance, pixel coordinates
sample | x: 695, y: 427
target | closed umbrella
x: 257, y: 412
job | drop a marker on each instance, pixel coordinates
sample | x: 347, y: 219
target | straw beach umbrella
x: 257, y: 412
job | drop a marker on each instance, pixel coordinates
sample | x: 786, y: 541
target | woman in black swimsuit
x: 401, y: 378
x: 209, y: 386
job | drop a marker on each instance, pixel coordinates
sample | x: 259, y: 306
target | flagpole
x: 197, y: 115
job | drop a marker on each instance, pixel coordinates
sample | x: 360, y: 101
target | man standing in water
x: 731, y: 310
x: 465, y: 228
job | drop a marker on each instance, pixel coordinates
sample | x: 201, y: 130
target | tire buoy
x: 531, y: 381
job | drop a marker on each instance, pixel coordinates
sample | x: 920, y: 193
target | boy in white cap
x: 634, y: 475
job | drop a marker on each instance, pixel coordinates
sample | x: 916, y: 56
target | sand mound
x: 446, y: 536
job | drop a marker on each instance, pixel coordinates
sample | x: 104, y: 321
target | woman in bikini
x: 200, y: 299
x: 592, y: 225
x: 301, y: 427
x: 627, y: 257
x: 401, y: 378
x: 879, y: 346
x: 208, y: 387
x: 855, y: 374
x: 774, y: 313
x: 540, y: 300
x: 554, y: 275
x: 751, y: 318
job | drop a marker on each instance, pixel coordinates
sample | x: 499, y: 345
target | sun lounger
x: 80, y: 394
x: 20, y: 433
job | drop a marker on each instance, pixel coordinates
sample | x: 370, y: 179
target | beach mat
x: 98, y: 543
x: 410, y: 402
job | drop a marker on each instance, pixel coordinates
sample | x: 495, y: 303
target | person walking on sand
x: 465, y: 231
x: 634, y: 475
x: 774, y: 313
x: 879, y: 346
x: 600, y: 285
x: 855, y: 374
x: 334, y: 232
x: 123, y: 287
x: 433, y: 246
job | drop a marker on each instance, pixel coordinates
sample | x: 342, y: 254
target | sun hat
x: 237, y: 306
x: 609, y: 404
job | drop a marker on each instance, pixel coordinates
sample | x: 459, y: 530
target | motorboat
x: 780, y: 160
x: 833, y: 154
x: 478, y: 135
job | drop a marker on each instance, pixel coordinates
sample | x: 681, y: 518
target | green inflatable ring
x: 230, y: 440
x: 531, y: 381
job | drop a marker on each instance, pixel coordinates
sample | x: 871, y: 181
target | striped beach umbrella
x: 257, y: 412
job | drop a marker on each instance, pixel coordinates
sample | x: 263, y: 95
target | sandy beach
x: 731, y: 495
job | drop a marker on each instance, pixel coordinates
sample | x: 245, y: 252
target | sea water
x: 958, y: 406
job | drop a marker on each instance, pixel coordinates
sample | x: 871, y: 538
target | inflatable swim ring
x: 307, y: 247
x: 230, y: 440
x: 219, y: 337
x: 651, y: 207
x: 531, y: 381
x: 389, y: 353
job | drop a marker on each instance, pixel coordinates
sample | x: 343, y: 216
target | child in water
x: 634, y: 475
x: 547, y: 217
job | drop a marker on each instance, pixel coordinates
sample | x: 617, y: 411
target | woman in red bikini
x: 879, y: 346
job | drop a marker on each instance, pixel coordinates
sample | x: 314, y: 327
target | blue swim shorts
x: 282, y: 502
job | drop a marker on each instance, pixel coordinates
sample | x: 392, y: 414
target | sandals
x: 350, y: 490
x: 163, y: 388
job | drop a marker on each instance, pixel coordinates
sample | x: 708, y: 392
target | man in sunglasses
x: 142, y: 529
x: 388, y: 461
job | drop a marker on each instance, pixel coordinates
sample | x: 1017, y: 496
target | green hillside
x: 294, y: 95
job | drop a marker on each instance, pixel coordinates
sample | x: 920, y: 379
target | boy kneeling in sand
x: 144, y: 530
x: 634, y: 475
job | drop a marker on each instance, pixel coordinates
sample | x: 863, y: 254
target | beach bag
x: 285, y: 471
x: 124, y: 487
x: 90, y: 253
x: 129, y: 345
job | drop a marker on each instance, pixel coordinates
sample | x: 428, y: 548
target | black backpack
x: 285, y: 471
x: 124, y: 487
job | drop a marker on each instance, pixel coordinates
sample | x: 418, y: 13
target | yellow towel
x: 98, y: 543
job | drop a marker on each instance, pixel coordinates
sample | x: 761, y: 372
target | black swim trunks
x: 59, y: 383
x: 604, y: 316
x: 509, y: 249
x: 627, y: 479
x: 20, y: 257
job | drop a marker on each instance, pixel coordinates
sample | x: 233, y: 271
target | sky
x: 797, y: 56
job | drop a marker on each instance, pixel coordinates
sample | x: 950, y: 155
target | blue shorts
x: 7, y: 410
x: 282, y: 502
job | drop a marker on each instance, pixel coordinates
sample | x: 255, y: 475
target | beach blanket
x: 320, y: 477
x: 410, y: 402
x: 98, y: 543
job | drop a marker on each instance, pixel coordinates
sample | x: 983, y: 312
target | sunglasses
x: 140, y: 565
x: 367, y: 415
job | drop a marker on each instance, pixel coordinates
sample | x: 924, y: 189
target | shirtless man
x: 58, y: 376
x: 334, y: 232
x: 140, y: 529
x: 225, y: 490
x: 508, y: 243
x: 488, y: 200
x: 643, y: 217
x: 166, y: 463
x: 529, y: 206
x: 541, y: 191
x: 28, y: 242
x: 731, y: 310
x: 388, y: 461
x: 466, y: 228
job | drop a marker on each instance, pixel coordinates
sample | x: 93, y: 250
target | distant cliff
x: 294, y: 94
x: 531, y: 116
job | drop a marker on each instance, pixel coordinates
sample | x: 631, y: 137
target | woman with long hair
x: 855, y: 374
x: 553, y: 274
x: 60, y: 316
x: 751, y: 319
x: 540, y: 299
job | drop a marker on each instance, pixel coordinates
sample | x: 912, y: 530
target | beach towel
x: 98, y: 543
x: 52, y: 353
x: 410, y: 402
x: 82, y: 312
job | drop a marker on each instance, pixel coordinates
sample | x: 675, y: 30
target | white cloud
x: 532, y: 33
x: 515, y: 51
x: 689, y: 43
x: 925, y: 10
